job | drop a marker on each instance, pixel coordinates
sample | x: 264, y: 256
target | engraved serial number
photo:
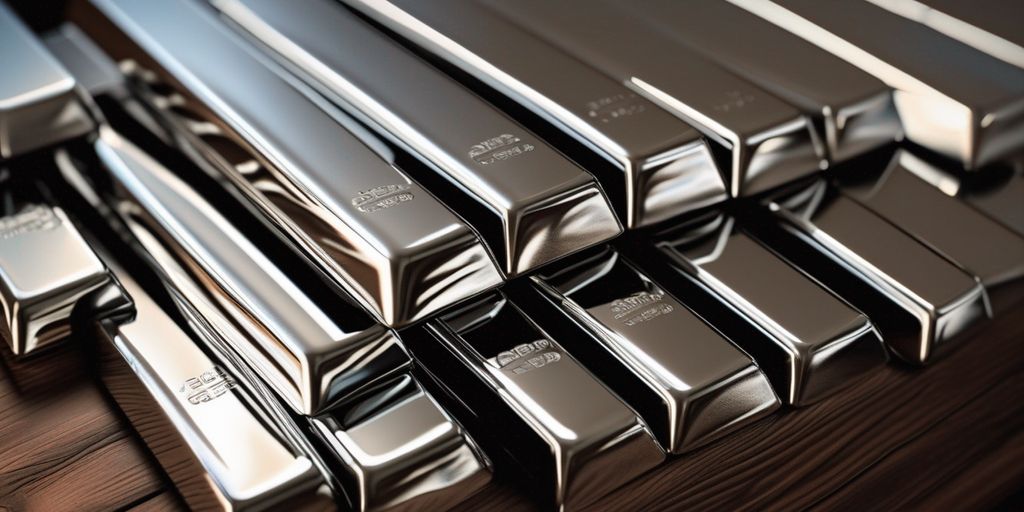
x: 639, y: 308
x: 500, y: 148
x: 617, y: 106
x: 35, y: 218
x: 528, y: 357
x: 382, y: 197
x: 735, y: 101
x: 209, y: 385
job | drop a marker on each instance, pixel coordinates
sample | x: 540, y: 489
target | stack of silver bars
x: 312, y: 245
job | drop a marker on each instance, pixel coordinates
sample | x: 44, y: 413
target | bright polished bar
x: 401, y: 450
x: 543, y: 205
x: 939, y: 301
x: 45, y: 269
x: 996, y: 192
x: 38, y: 102
x: 664, y: 166
x: 984, y: 248
x: 769, y: 142
x: 952, y: 99
x: 815, y: 342
x: 704, y: 386
x: 580, y: 441
x: 345, y: 204
x: 306, y: 354
x: 854, y: 108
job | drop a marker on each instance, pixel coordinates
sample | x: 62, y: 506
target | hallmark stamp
x: 735, y: 101
x: 639, y: 308
x: 208, y: 386
x: 35, y: 218
x: 382, y: 197
x: 528, y: 357
x: 500, y: 148
x: 617, y: 106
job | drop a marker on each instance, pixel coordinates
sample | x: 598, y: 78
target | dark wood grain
x: 947, y: 436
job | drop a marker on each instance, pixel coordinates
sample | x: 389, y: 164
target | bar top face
x: 513, y: 173
x: 385, y: 234
x: 403, y: 449
x: 249, y: 465
x: 38, y: 103
x: 708, y: 385
x: 45, y: 267
x: 597, y: 442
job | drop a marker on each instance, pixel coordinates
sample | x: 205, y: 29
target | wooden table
x: 950, y: 436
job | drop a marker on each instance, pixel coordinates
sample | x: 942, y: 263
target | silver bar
x: 38, y: 102
x: 543, y: 205
x: 854, y: 108
x: 199, y: 422
x: 816, y: 343
x: 941, y: 300
x: 770, y: 142
x: 387, y: 241
x: 970, y: 107
x: 991, y: 26
x: 309, y: 358
x: 45, y: 269
x: 402, y: 450
x: 91, y: 68
x: 983, y: 247
x: 590, y: 442
x: 704, y: 386
x: 666, y: 167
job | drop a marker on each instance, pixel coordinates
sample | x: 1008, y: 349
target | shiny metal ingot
x: 769, y: 142
x: 203, y: 427
x: 45, y: 268
x: 816, y: 343
x: 918, y: 299
x: 338, y: 196
x: 664, y: 166
x: 308, y: 356
x: 581, y: 441
x: 704, y: 386
x: 401, y: 450
x: 38, y: 102
x: 969, y: 108
x: 983, y: 247
x: 540, y: 204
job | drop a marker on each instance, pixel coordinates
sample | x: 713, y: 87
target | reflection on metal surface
x: 703, y: 385
x: 940, y: 299
x: 816, y: 343
x: 308, y: 357
x: 293, y: 159
x: 665, y: 167
x: 591, y: 442
x: 770, y: 142
x: 529, y: 190
x: 984, y: 248
x: 217, y: 447
x: 45, y: 269
x: 402, y: 450
x: 93, y: 70
x: 854, y: 108
x: 970, y: 108
x: 38, y: 102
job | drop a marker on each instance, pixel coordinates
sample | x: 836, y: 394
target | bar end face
x: 722, y: 406
x: 774, y: 157
x: 827, y: 368
x: 675, y: 182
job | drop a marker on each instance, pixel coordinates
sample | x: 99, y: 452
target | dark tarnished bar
x: 308, y: 355
x: 953, y: 99
x: 983, y: 247
x: 704, y: 386
x: 816, y: 343
x: 542, y: 205
x: 202, y: 425
x: 38, y: 102
x: 579, y: 441
x: 46, y: 267
x: 401, y: 451
x: 664, y: 166
x: 770, y: 142
x: 345, y: 204
x: 919, y: 300
x: 854, y: 108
